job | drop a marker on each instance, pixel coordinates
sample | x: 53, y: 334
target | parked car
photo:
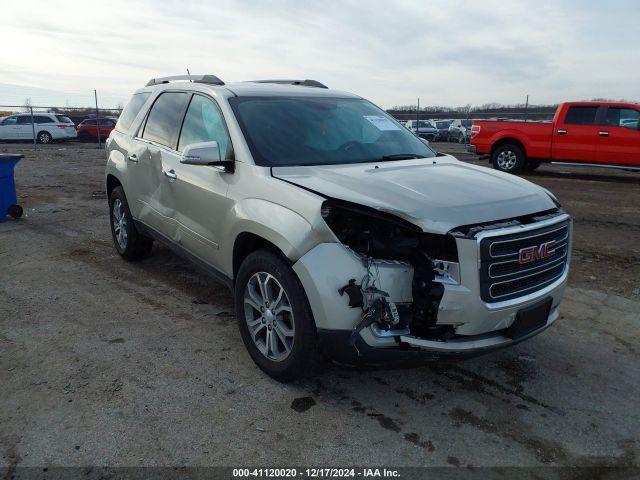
x: 423, y: 129
x: 48, y: 127
x: 443, y: 129
x: 460, y: 130
x: 581, y: 133
x: 88, y: 129
x: 337, y: 230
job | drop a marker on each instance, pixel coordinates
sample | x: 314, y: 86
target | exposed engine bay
x: 379, y: 237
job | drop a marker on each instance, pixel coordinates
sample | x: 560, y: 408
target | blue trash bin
x: 8, y: 201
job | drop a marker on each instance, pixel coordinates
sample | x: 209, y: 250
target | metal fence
x: 479, y: 115
x: 532, y: 115
x: 76, y: 114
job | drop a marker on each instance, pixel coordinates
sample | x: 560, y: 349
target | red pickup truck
x: 589, y: 133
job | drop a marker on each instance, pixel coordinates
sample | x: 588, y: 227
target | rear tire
x: 44, y: 137
x: 264, y: 277
x: 130, y: 244
x: 508, y: 158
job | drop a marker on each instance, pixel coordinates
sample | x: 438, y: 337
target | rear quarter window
x: 130, y: 112
x: 64, y: 119
x: 43, y: 119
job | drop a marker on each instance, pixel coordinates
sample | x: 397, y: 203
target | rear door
x: 575, y: 137
x: 45, y: 123
x: 155, y: 169
x: 619, y: 136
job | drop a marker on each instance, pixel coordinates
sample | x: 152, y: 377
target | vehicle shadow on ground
x: 632, y: 178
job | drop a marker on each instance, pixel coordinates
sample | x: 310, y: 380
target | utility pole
x: 33, y: 129
x: 95, y: 93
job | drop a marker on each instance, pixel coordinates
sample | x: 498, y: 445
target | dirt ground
x: 108, y: 363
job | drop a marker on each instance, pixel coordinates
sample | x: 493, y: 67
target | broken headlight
x: 381, y: 235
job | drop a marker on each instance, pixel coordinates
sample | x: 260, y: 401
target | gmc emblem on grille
x: 537, y: 252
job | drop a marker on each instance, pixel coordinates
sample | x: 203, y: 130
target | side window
x: 165, y: 118
x: 24, y: 120
x: 42, y: 119
x: 622, y: 117
x: 581, y: 115
x: 10, y: 121
x: 204, y: 123
x: 130, y: 112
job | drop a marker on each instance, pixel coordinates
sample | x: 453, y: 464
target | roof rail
x: 208, y: 79
x: 303, y: 83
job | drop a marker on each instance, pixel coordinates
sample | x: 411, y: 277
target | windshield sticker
x: 381, y: 122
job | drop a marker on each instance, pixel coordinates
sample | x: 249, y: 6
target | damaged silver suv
x: 340, y: 233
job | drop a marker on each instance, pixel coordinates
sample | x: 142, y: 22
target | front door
x: 200, y: 191
x: 575, y: 137
x: 619, y: 137
x: 9, y: 128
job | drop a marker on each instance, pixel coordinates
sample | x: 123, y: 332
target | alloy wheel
x: 507, y: 160
x: 269, y: 316
x: 120, y: 224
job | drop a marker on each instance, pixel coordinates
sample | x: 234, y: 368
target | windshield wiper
x: 398, y: 156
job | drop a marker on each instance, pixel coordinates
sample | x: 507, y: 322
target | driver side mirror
x: 205, y: 153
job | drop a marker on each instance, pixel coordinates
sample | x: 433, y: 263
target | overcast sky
x: 453, y: 52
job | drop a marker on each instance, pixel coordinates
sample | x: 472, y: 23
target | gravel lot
x: 108, y: 363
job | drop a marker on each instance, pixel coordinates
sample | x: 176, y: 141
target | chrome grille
x: 504, y: 277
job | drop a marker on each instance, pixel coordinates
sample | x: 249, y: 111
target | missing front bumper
x: 415, y: 351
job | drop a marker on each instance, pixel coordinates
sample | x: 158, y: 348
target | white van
x: 46, y: 126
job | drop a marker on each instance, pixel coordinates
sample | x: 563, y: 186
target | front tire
x: 15, y: 211
x: 130, y: 244
x: 274, y: 317
x: 84, y: 137
x: 508, y: 158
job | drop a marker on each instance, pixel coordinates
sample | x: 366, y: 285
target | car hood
x: 436, y: 194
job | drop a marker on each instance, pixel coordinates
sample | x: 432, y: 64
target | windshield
x: 320, y: 131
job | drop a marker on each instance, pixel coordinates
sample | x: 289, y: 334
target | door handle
x: 171, y: 174
x: 562, y: 132
x: 133, y: 158
x: 603, y: 134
